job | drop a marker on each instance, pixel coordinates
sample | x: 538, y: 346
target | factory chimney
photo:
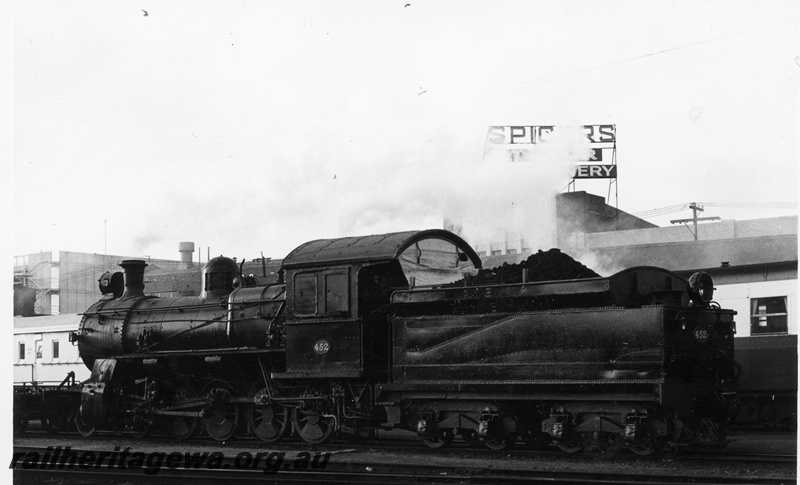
x: 133, y: 273
x: 187, y: 253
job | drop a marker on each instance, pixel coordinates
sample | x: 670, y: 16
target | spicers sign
x: 531, y: 135
x: 595, y: 172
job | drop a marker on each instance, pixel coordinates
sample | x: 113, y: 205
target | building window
x: 768, y: 315
x: 55, y: 306
x: 55, y: 349
x: 497, y: 252
x: 22, y: 351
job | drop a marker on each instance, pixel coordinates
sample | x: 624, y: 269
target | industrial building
x: 753, y: 262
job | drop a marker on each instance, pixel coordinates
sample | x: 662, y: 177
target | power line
x: 660, y: 211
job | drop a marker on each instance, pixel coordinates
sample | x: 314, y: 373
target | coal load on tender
x: 548, y: 265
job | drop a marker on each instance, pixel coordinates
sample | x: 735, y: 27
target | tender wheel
x: 444, y: 438
x: 312, y: 426
x: 501, y: 442
x: 570, y: 444
x: 268, y: 420
x: 84, y: 429
x: 470, y: 437
x: 181, y: 427
x: 221, y: 415
x: 645, y: 449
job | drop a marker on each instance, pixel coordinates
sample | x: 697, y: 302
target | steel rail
x: 370, y: 472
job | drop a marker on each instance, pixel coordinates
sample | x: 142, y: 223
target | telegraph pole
x: 695, y: 209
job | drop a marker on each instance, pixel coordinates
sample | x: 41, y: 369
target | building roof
x: 382, y: 247
x: 69, y: 321
x: 677, y: 256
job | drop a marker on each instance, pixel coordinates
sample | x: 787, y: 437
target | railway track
x: 362, y: 471
x: 410, y: 463
x: 411, y: 444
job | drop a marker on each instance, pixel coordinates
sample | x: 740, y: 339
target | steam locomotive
x: 386, y: 332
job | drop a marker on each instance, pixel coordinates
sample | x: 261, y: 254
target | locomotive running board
x: 598, y: 286
x: 386, y: 395
x: 199, y: 353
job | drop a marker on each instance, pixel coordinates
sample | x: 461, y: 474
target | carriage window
x: 55, y: 349
x: 22, y: 351
x: 305, y: 294
x: 768, y: 315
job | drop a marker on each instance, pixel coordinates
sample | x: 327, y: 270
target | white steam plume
x: 506, y: 193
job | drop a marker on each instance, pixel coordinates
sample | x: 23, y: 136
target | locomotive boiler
x: 386, y: 331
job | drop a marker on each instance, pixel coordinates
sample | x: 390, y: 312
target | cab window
x: 434, y: 261
x: 322, y: 293
x: 305, y: 294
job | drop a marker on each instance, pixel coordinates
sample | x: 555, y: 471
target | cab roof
x: 369, y: 249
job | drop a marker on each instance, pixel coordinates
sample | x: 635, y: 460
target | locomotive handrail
x: 736, y: 366
x: 222, y: 303
x: 191, y: 329
x: 181, y: 321
x: 69, y: 379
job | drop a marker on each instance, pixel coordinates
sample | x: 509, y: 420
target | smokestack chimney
x: 133, y: 272
x: 187, y: 253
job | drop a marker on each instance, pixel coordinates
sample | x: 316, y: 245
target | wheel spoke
x: 268, y: 420
x: 312, y: 427
x: 84, y: 429
x: 181, y: 427
x: 221, y: 415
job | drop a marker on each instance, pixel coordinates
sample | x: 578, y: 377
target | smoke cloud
x: 489, y: 194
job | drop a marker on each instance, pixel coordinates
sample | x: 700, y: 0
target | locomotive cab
x: 337, y: 287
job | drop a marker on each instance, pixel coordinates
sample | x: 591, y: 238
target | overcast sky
x: 255, y: 126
